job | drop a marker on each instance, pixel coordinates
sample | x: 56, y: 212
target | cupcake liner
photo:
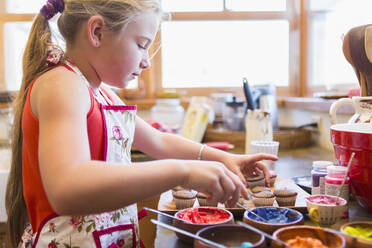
x: 272, y: 181
x: 182, y: 203
x: 259, y: 202
x: 286, y: 201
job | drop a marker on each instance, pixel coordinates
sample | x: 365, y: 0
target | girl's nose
x: 145, y: 62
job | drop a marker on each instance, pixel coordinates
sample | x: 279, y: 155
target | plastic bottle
x: 334, y: 180
x: 333, y: 183
x: 318, y: 176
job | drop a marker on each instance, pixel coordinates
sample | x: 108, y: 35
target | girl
x: 72, y: 178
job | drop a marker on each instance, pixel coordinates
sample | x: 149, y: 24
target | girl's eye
x: 142, y: 47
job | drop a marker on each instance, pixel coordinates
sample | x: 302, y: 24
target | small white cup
x: 264, y: 146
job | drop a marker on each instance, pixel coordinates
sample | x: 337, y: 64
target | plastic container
x: 219, y: 100
x: 169, y: 112
x: 333, y: 183
x: 318, y: 175
x: 334, y: 180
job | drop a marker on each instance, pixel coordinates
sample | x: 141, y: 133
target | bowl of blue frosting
x: 269, y: 219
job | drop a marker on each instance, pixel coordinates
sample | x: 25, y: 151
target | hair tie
x: 55, y: 54
x: 52, y: 7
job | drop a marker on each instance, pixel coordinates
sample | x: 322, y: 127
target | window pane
x: 192, y: 5
x: 256, y: 5
x: 328, y: 64
x: 16, y: 34
x: 221, y: 53
x: 24, y: 6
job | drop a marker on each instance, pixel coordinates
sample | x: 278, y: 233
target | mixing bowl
x: 356, y: 137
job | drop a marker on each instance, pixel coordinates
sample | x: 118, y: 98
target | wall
x: 296, y: 117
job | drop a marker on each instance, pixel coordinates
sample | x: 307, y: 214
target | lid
x: 167, y: 94
x: 222, y: 96
x: 333, y: 169
x: 320, y: 164
x: 235, y: 103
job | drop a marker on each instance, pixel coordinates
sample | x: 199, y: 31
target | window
x: 221, y: 53
x: 329, y: 21
x: 15, y: 37
x: 210, y: 45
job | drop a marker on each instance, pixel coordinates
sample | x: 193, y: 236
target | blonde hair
x: 116, y: 13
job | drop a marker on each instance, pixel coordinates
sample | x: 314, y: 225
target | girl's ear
x: 95, y: 30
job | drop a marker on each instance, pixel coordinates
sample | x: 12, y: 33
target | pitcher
x: 362, y: 107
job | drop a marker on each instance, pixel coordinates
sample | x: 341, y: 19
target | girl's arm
x: 76, y: 185
x: 165, y: 145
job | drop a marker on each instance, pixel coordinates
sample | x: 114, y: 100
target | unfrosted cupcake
x: 263, y: 198
x: 177, y: 188
x: 255, y: 180
x: 259, y: 189
x: 272, y: 178
x: 184, y: 198
x: 285, y: 197
x: 202, y: 199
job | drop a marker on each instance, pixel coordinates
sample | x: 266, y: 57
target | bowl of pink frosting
x: 194, y: 219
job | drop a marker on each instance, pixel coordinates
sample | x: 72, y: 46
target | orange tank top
x: 37, y: 203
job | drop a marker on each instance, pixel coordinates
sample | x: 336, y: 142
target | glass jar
x: 168, y: 112
x: 333, y: 183
x: 334, y: 180
x: 318, y: 176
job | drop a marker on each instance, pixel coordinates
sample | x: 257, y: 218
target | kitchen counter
x: 291, y: 163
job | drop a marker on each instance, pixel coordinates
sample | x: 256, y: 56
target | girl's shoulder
x: 60, y: 88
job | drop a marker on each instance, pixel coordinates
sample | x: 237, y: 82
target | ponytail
x: 34, y: 63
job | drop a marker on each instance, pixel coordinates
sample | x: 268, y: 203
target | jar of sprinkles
x: 318, y: 176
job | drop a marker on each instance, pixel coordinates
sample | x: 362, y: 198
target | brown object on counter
x: 285, y: 197
x: 184, y: 198
x: 263, y: 198
x: 355, y: 241
x: 230, y: 236
x: 289, y: 138
x: 357, y: 48
x: 330, y: 239
x: 255, y: 180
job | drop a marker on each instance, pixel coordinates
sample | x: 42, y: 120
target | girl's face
x: 124, y: 54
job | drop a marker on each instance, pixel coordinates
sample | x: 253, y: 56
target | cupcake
x: 202, y: 199
x: 285, y: 197
x: 255, y: 180
x: 177, y: 188
x: 259, y: 189
x: 245, y: 203
x: 272, y: 178
x: 263, y: 198
x: 184, y: 198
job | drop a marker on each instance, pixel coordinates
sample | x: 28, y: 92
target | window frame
x: 149, y: 82
x: 295, y: 14
x: 5, y: 18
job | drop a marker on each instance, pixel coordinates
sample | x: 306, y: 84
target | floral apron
x: 114, y: 229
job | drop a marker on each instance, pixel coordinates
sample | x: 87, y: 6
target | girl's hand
x: 215, y: 180
x: 248, y: 164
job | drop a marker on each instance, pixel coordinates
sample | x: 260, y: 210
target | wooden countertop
x: 291, y: 163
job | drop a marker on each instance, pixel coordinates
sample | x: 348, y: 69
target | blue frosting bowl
x: 269, y: 219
